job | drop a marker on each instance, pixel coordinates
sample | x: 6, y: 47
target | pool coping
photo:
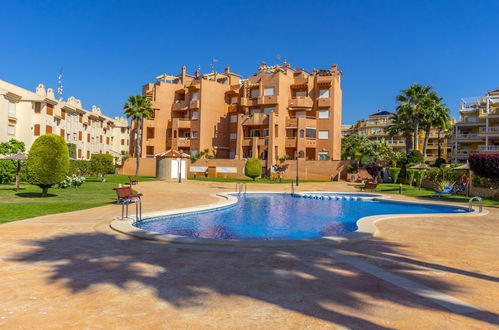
x: 366, y: 226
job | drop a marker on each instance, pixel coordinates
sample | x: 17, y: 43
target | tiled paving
x: 72, y: 271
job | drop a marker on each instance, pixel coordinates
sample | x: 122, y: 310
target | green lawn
x: 248, y: 180
x: 424, y: 193
x: 28, y: 203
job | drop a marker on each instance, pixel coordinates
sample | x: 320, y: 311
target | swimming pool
x: 283, y: 216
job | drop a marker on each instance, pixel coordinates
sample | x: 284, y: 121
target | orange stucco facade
x: 278, y: 111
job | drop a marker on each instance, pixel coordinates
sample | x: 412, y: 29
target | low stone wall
x: 307, y: 169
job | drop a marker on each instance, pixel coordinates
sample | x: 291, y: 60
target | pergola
x: 19, y: 157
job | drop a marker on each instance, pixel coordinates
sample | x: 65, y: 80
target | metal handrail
x: 292, y: 187
x: 480, y: 206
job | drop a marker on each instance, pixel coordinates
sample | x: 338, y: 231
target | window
x: 107, y: 140
x: 267, y: 111
x: 301, y: 114
x: 268, y: 91
x: 74, y: 136
x: 150, y: 151
x: 323, y: 114
x: 63, y: 133
x: 80, y: 136
x: 291, y: 132
x: 310, y: 133
x: 195, y: 96
x: 11, y: 130
x: 253, y: 111
x: 323, y: 93
x: 88, y: 154
x: 122, y: 142
x: 301, y: 93
x: 88, y: 137
x: 38, y: 107
x: 150, y: 132
x: 233, y: 100
x: 302, y: 133
x: 255, y: 133
x: 12, y: 110
x: 50, y: 109
x: 233, y: 136
x: 232, y: 155
x: 100, y: 139
x: 323, y: 155
x: 233, y: 119
x: 194, y: 134
x: 254, y: 93
x: 195, y: 115
x: 48, y: 129
x: 80, y: 118
x: 265, y: 132
x: 63, y: 114
x: 323, y: 135
x: 79, y: 153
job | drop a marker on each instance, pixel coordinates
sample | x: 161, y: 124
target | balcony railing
x: 300, y: 102
x: 467, y: 136
x: 489, y: 130
x: 489, y: 148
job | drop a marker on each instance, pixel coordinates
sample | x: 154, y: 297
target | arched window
x: 302, y: 133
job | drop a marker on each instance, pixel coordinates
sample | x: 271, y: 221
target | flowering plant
x: 73, y: 181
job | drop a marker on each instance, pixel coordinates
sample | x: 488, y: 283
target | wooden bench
x: 126, y: 197
x: 369, y: 185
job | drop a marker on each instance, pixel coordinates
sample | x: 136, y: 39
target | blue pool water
x: 282, y: 216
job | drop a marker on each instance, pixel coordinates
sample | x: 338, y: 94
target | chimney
x: 227, y: 69
x: 184, y: 70
x: 334, y: 67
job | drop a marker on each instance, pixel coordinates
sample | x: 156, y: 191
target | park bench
x: 369, y: 185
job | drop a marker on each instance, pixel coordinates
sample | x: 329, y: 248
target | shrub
x: 353, y: 168
x: 488, y: 183
x: 8, y: 168
x: 280, y: 169
x: 415, y: 156
x: 439, y: 162
x: 374, y: 171
x: 485, y: 165
x: 395, y: 171
x: 419, y: 177
x: 80, y: 167
x: 102, y: 164
x: 410, y: 176
x: 48, y: 161
x: 73, y: 181
x: 72, y: 150
x: 253, y: 168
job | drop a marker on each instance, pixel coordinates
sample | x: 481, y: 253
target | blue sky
x: 109, y: 49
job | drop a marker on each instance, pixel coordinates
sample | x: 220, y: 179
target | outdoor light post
x: 297, y: 179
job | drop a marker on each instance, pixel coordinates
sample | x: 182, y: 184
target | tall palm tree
x: 138, y: 108
x: 443, y: 123
x: 401, y: 123
x: 413, y: 102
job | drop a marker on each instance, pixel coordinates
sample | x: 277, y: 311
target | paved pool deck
x: 72, y: 271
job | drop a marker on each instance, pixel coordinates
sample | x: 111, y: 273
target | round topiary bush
x: 253, y: 168
x: 48, y: 161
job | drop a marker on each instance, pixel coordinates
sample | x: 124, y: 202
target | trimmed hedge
x: 395, y: 171
x: 485, y: 165
x: 48, y: 161
x: 253, y: 168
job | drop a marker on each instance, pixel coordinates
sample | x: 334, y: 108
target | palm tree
x: 401, y: 124
x: 442, y: 122
x: 413, y: 103
x: 138, y: 108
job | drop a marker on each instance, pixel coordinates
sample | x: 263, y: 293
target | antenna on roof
x: 212, y: 65
x: 278, y: 58
x: 60, y: 87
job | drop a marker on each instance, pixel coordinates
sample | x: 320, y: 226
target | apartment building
x: 375, y: 129
x: 278, y: 111
x: 25, y: 115
x: 478, y: 128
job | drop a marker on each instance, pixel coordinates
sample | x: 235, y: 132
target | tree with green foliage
x: 358, y: 147
x: 415, y: 157
x: 253, y: 168
x: 395, y: 171
x: 48, y: 161
x: 102, y: 164
x: 410, y: 175
x: 11, y: 168
x: 419, y: 177
x: 138, y: 108
x: 72, y: 150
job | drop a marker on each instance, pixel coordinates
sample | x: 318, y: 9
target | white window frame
x: 195, y: 135
x: 269, y: 91
x: 301, y: 94
x: 324, y: 114
x: 233, y: 118
x: 323, y: 153
x: 323, y: 93
x: 253, y: 131
x: 195, y: 96
x: 233, y: 136
x: 323, y: 135
x: 12, y: 110
x: 265, y: 132
x: 11, y: 129
x: 195, y: 115
x: 267, y: 111
x: 254, y: 93
x: 233, y: 100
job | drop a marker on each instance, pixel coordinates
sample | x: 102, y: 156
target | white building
x: 25, y: 115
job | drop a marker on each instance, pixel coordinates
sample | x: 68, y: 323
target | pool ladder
x: 241, y: 188
x: 292, y: 187
x: 480, y: 205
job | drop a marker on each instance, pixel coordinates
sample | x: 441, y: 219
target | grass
x: 248, y: 180
x: 28, y: 203
x: 424, y: 193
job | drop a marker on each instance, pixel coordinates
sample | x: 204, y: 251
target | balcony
x: 232, y: 108
x: 300, y: 102
x: 396, y: 143
x: 256, y: 119
x: 267, y: 100
x: 494, y: 131
x: 324, y: 102
x: 180, y: 106
x: 291, y: 122
x: 183, y: 142
x: 467, y: 137
x: 290, y: 142
x: 470, y: 121
x: 247, y: 102
x: 250, y: 141
x: 194, y: 104
x: 468, y: 109
x: 181, y: 123
x: 489, y: 148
